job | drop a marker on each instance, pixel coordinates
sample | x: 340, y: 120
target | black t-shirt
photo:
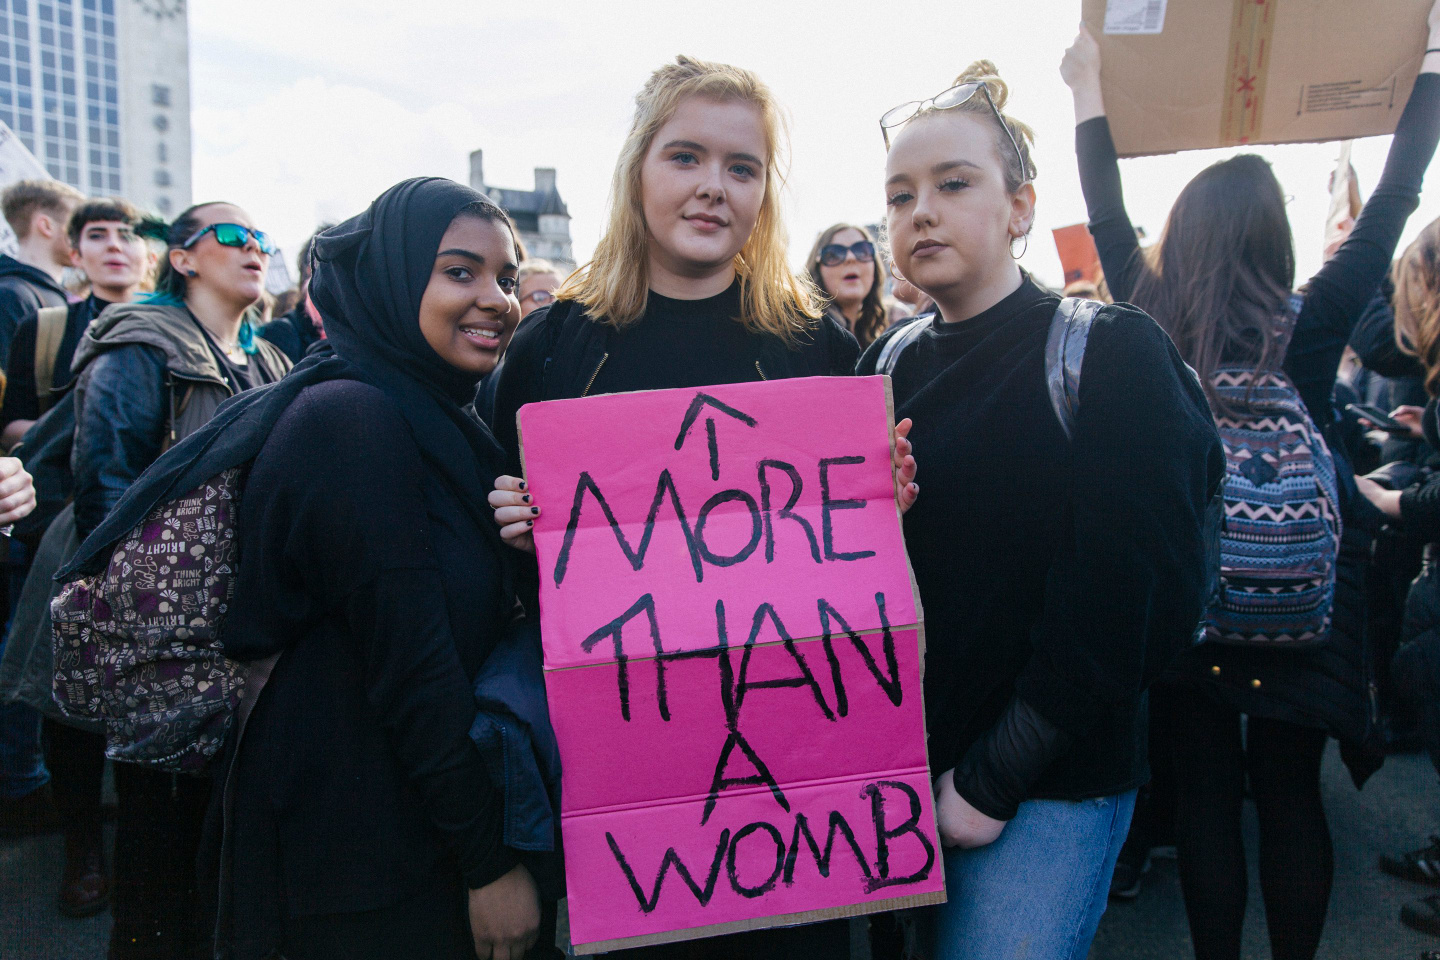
x: 240, y: 376
x: 680, y: 343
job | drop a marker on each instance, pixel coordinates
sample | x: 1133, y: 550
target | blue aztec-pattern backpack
x: 1281, y: 537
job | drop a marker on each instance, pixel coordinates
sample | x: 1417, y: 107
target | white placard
x: 1135, y: 16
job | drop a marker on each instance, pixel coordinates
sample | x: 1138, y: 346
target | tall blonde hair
x: 614, y: 285
x: 1417, y: 303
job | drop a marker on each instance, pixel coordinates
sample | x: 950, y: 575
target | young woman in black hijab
x: 360, y: 818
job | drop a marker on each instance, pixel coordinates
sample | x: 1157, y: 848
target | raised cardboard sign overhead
x: 1194, y: 74
x: 733, y: 655
x: 1078, y: 256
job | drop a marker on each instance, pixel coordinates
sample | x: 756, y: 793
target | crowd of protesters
x: 1146, y: 588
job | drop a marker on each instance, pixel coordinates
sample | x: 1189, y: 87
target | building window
x: 162, y: 123
x: 163, y: 205
x: 160, y: 95
x: 162, y: 178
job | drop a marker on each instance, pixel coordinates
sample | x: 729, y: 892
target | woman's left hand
x: 906, y: 489
x: 961, y: 825
x: 1386, y: 501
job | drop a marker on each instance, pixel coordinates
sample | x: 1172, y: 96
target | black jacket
x: 145, y: 379
x: 23, y: 291
x: 22, y: 400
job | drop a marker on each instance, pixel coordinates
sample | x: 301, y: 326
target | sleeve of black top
x: 371, y: 510
x: 1338, y: 294
x: 1420, y: 509
x: 14, y: 308
x: 1145, y: 457
x: 1110, y: 225
x: 1373, y: 338
x: 21, y: 401
x: 520, y: 382
x: 120, y: 431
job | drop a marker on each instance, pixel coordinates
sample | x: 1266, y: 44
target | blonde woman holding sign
x: 1059, y: 554
x: 689, y: 287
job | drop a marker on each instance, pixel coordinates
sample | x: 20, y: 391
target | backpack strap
x: 1065, y: 356
x: 905, y: 334
x: 49, y: 332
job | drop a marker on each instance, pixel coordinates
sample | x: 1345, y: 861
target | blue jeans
x: 1037, y: 892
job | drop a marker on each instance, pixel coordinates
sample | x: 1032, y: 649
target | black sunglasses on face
x: 833, y: 254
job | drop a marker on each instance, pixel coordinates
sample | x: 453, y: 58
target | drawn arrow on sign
x: 696, y: 405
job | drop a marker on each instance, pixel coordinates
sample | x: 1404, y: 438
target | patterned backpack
x: 137, y: 645
x: 1282, y: 517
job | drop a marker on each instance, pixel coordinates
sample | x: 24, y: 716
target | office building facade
x: 99, y: 91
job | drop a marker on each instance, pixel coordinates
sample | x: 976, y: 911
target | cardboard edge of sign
x: 744, y: 926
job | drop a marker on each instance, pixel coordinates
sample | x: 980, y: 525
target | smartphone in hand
x: 1379, y: 418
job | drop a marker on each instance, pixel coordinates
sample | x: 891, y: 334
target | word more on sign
x: 733, y: 656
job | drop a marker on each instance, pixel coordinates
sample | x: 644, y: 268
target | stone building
x: 99, y: 92
x: 540, y: 214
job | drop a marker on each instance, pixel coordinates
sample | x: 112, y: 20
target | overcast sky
x: 304, y: 112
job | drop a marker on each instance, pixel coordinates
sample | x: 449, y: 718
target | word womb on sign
x: 733, y: 654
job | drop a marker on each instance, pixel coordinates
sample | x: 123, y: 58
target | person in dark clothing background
x: 688, y: 287
x: 1412, y: 499
x: 116, y: 261
x: 147, y: 375
x: 37, y: 211
x: 376, y: 574
x: 1234, y: 311
x: 294, y: 331
x: 1053, y: 570
x: 104, y: 245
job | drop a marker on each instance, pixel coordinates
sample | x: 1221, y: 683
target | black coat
x: 24, y: 290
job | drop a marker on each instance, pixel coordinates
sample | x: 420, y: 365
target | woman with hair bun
x: 1055, y: 562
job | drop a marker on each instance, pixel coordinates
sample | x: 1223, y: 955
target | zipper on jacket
x: 760, y: 370
x: 591, y: 383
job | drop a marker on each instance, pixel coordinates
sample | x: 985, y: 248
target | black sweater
x: 1336, y: 296
x: 1048, y: 568
x: 357, y: 783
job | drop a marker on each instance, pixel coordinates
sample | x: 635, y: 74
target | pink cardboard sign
x: 733, y: 653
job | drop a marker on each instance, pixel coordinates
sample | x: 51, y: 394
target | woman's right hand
x: 515, y: 512
x: 505, y: 916
x: 1412, y: 417
x: 1080, y: 69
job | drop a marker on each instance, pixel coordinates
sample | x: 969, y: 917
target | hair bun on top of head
x: 985, y: 71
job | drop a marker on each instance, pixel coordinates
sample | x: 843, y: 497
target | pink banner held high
x: 733, y: 653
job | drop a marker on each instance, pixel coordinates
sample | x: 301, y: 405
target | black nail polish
x: 529, y: 523
x: 535, y: 510
x: 522, y: 484
x: 526, y: 498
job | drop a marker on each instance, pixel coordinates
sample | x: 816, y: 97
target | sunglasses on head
x: 956, y: 96
x: 233, y: 235
x: 833, y: 254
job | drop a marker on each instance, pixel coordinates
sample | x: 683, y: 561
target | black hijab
x: 370, y: 274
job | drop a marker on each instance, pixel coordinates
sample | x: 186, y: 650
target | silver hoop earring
x: 1013, y: 255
